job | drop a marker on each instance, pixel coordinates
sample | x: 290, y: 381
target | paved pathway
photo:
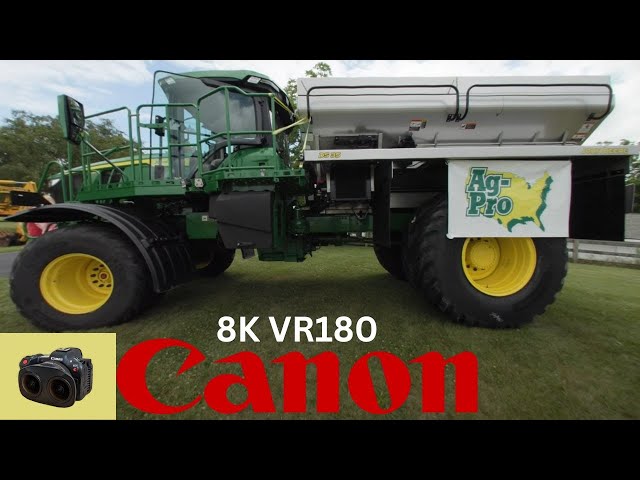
x: 6, y: 259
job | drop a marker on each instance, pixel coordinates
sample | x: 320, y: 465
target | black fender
x: 164, y: 251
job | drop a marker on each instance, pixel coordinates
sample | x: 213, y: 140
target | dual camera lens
x: 31, y: 384
x: 58, y: 388
x: 59, y: 379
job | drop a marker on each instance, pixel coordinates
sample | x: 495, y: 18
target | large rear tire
x: 79, y: 277
x: 487, y: 282
x: 391, y: 259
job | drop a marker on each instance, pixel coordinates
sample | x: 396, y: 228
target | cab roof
x: 240, y: 76
x: 235, y: 74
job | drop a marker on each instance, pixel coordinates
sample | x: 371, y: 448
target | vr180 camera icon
x: 58, y: 379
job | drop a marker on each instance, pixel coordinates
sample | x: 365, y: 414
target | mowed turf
x: 7, y: 226
x: 579, y: 360
x: 11, y: 228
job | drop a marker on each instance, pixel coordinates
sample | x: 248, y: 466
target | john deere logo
x: 506, y: 197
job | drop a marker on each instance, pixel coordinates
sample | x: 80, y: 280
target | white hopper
x: 545, y: 110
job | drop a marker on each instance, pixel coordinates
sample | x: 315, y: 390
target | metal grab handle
x: 355, y: 87
x: 45, y: 175
x: 535, y: 85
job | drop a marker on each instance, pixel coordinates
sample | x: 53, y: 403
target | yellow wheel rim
x: 499, y: 266
x: 76, y: 283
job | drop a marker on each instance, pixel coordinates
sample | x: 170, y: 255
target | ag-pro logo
x: 483, y: 193
x: 506, y: 197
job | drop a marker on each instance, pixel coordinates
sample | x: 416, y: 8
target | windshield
x: 242, y: 110
x: 172, y: 146
x: 182, y: 126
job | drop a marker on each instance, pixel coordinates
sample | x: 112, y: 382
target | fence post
x: 576, y: 249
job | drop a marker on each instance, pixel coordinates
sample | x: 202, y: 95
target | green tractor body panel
x: 202, y: 158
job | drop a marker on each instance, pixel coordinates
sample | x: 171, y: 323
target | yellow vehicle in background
x: 6, y: 187
x: 20, y: 235
x: 21, y: 232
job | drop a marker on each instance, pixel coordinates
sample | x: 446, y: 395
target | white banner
x: 509, y: 198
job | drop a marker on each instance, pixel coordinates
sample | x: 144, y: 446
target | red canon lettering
x: 132, y: 372
x: 131, y: 379
x: 254, y: 381
x: 295, y: 382
x: 433, y: 364
x: 396, y: 376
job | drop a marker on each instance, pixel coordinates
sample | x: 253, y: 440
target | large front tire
x: 78, y: 278
x: 220, y: 259
x: 487, y: 282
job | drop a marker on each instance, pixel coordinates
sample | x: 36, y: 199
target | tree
x: 320, y: 69
x: 633, y: 177
x: 296, y: 138
x: 28, y: 142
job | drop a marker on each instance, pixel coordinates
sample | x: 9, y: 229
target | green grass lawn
x: 13, y: 248
x: 580, y: 360
x: 7, y: 226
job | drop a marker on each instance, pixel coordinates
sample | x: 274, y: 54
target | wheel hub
x: 99, y: 277
x: 499, y: 266
x: 482, y: 257
x: 76, y: 283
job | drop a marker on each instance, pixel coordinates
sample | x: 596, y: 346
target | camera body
x: 58, y: 379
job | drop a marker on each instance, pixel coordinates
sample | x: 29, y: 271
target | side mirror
x: 159, y: 130
x: 27, y: 199
x: 71, y: 118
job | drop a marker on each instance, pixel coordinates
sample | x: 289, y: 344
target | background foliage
x: 28, y: 142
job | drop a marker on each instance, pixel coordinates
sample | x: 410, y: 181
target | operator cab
x: 230, y: 119
x: 194, y: 122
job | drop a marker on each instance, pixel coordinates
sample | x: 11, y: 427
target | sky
x: 104, y: 84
